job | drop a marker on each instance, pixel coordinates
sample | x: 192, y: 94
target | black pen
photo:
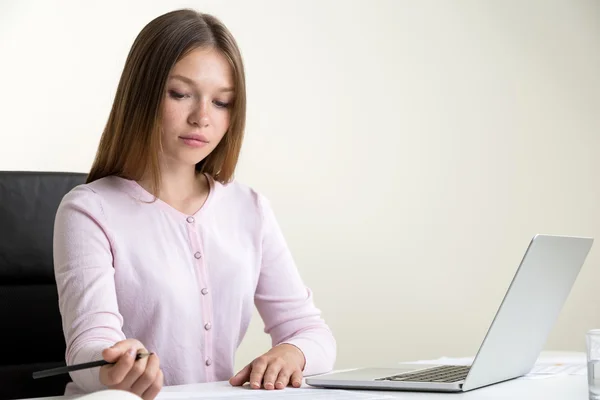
x: 77, y: 367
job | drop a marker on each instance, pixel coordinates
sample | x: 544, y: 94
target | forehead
x: 205, y: 65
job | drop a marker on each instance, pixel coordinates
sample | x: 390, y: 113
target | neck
x: 178, y: 183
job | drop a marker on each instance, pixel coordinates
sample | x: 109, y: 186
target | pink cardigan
x: 184, y: 285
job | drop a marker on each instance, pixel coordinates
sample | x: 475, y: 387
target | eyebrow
x: 191, y: 82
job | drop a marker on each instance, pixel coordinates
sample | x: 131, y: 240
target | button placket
x: 203, y: 283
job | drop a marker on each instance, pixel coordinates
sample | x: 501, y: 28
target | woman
x: 161, y: 251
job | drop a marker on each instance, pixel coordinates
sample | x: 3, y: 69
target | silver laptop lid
x: 529, y: 310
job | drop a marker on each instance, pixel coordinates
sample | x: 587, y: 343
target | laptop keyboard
x: 442, y: 374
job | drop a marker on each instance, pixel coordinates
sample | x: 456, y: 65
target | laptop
x: 515, y: 338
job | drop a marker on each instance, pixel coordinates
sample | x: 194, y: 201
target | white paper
x: 290, y: 393
x: 554, y: 368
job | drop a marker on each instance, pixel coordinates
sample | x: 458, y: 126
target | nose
x: 199, y: 115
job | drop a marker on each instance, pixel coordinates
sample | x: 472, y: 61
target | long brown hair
x: 130, y: 144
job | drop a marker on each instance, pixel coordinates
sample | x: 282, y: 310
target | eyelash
x: 221, y: 104
x: 176, y: 95
x: 180, y: 96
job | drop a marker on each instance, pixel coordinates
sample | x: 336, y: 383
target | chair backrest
x: 31, y: 331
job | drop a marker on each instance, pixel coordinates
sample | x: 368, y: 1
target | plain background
x: 411, y: 149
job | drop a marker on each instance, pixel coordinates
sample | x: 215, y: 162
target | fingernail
x: 279, y: 385
x: 255, y: 385
x: 268, y: 385
x: 131, y: 352
x: 296, y: 383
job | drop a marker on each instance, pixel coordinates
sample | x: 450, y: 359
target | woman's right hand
x: 142, y: 377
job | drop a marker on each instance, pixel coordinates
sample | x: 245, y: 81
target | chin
x: 192, y: 157
x: 186, y: 157
x: 192, y: 163
x: 184, y: 161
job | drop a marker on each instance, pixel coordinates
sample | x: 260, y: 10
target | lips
x: 194, y: 140
x: 195, y: 136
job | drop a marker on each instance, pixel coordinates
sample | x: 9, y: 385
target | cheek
x: 222, y: 122
x: 171, y: 116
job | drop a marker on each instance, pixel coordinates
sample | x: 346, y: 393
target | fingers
x: 155, y: 387
x: 276, y: 369
x: 135, y: 372
x: 112, y: 354
x: 142, y: 377
x: 297, y: 379
x: 283, y: 379
x: 113, y: 375
x: 271, y: 373
x: 259, y: 366
x: 148, y: 375
x: 241, y: 377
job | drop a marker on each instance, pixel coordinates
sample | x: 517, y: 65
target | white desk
x: 564, y: 387
x: 556, y: 388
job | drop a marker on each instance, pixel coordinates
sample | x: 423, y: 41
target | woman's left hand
x: 276, y: 369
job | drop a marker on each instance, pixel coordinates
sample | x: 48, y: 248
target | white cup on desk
x: 592, y: 341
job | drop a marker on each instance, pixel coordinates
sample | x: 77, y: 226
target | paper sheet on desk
x: 543, y: 368
x: 291, y: 393
x: 556, y: 368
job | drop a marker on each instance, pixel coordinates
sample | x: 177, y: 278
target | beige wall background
x: 411, y: 149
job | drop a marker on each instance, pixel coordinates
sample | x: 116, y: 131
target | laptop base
x: 371, y: 378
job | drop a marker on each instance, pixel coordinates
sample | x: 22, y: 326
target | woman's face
x: 196, y: 108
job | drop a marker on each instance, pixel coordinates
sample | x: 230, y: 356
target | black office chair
x: 30, y: 325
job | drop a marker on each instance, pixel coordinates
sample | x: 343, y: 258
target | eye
x: 177, y: 95
x: 221, y: 104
